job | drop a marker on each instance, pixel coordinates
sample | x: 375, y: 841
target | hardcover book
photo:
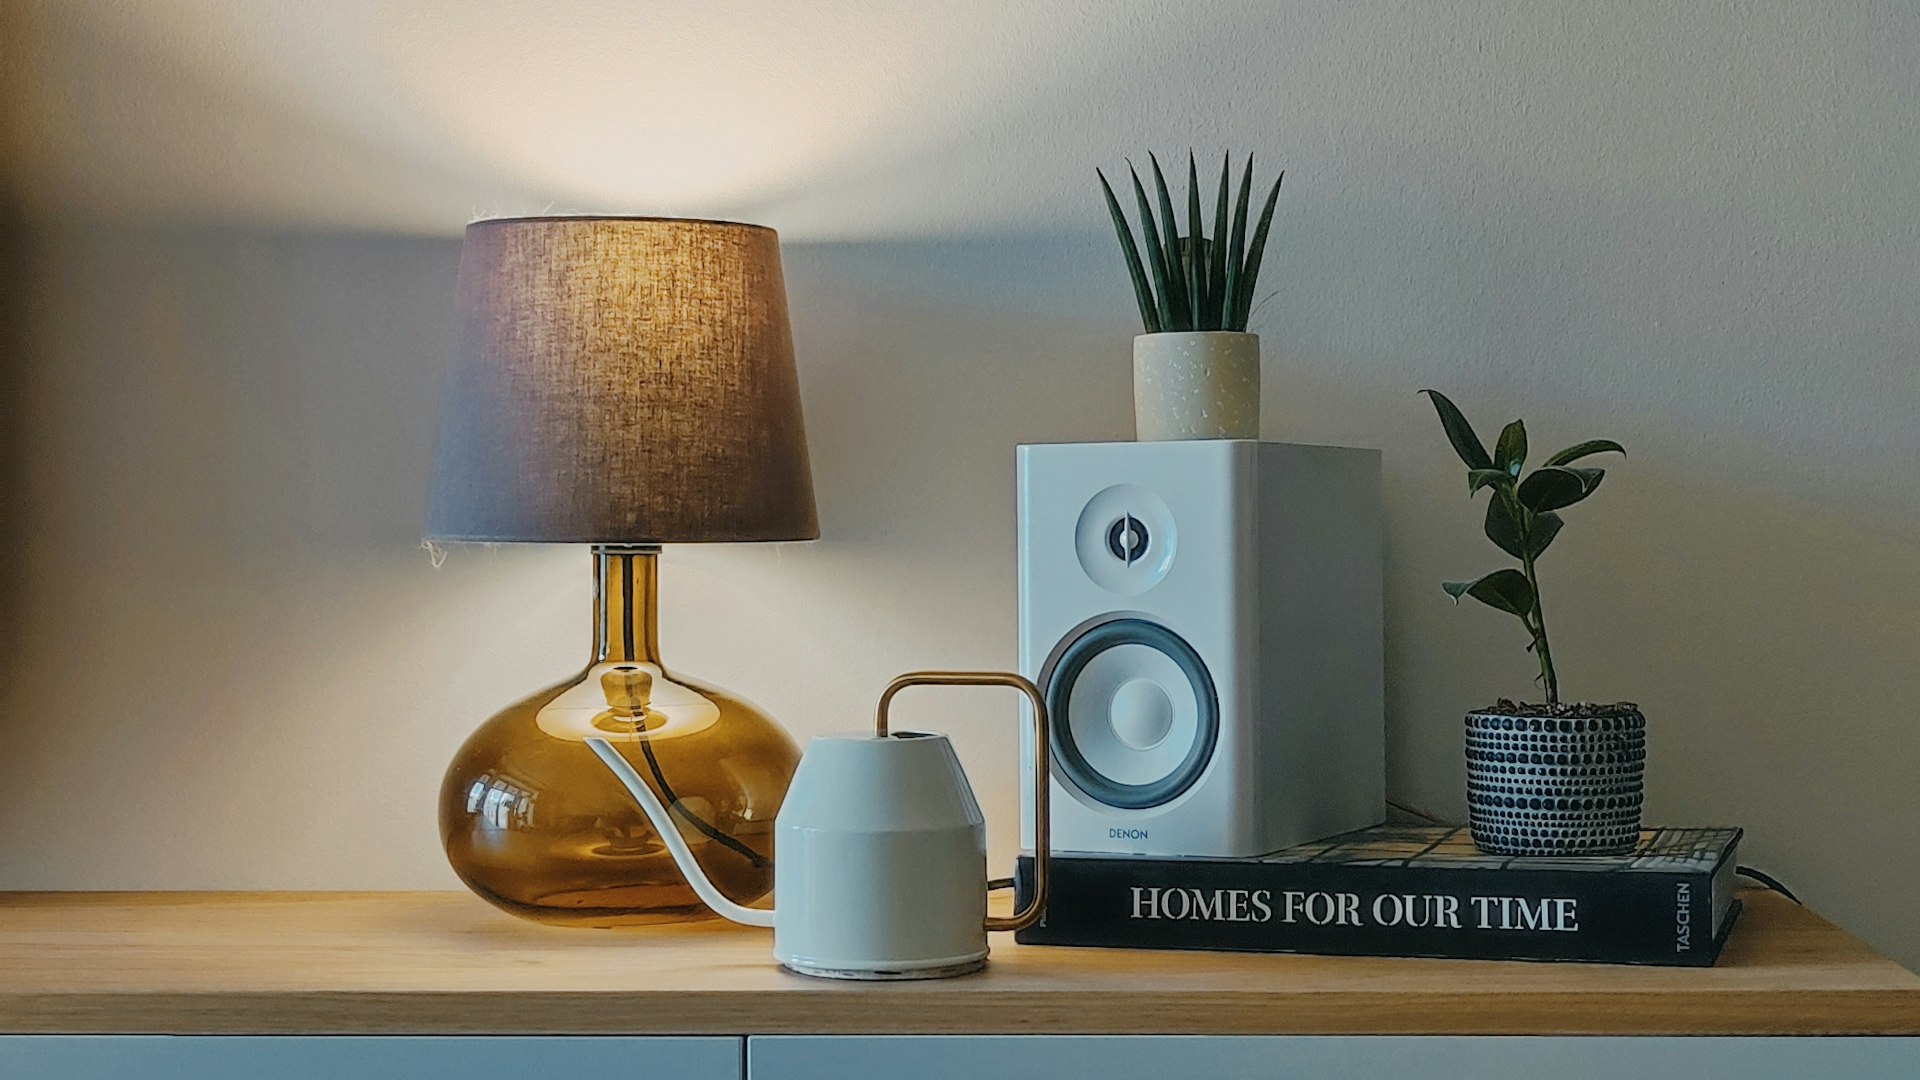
x: 1406, y: 890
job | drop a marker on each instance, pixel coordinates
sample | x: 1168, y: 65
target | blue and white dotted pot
x: 1541, y: 785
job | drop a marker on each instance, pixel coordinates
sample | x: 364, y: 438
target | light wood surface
x: 445, y: 963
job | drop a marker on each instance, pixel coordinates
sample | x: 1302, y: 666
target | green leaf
x: 1194, y: 256
x: 1176, y: 273
x: 1459, y: 432
x: 1196, y: 263
x: 1217, y: 256
x: 1479, y: 478
x: 1506, y: 590
x: 1504, y: 529
x: 1580, y: 450
x: 1510, y: 450
x: 1236, y: 250
x: 1250, y: 273
x: 1142, y: 292
x: 1156, y: 254
x: 1541, y: 532
x: 1552, y: 487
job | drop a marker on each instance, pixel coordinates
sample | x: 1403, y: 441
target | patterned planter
x: 1568, y: 785
x: 1199, y: 385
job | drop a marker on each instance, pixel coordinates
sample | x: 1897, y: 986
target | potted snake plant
x: 1196, y: 370
x: 1551, y: 777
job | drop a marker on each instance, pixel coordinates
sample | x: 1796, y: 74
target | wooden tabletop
x: 445, y: 963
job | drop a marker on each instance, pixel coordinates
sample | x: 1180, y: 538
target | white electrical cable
x: 656, y: 812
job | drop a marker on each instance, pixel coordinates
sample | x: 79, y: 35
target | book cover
x: 1406, y: 890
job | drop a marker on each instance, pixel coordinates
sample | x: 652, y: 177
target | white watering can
x: 880, y: 850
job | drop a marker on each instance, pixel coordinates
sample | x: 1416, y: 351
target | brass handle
x: 1037, y: 903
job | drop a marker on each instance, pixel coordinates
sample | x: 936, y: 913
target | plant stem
x: 1539, y: 629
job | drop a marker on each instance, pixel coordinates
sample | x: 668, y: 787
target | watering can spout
x: 881, y: 849
x: 662, y: 823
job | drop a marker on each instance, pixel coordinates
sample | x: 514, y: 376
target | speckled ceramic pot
x: 1556, y: 785
x: 1200, y: 385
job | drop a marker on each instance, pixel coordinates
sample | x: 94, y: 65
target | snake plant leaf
x: 1142, y: 292
x: 1552, y: 487
x: 1236, y: 251
x: 1217, y: 254
x: 1479, y: 478
x: 1198, y: 256
x: 1459, y: 432
x: 1541, y: 531
x: 1510, y: 450
x: 1197, y: 273
x: 1156, y: 254
x: 1250, y: 273
x: 1579, y: 450
x: 1170, y: 238
x: 1504, y: 529
x: 1506, y: 590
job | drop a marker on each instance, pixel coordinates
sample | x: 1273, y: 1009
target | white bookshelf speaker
x: 1204, y: 619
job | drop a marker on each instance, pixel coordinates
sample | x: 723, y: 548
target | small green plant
x: 1521, y: 517
x: 1196, y: 283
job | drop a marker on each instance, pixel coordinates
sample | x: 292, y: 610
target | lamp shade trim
x: 524, y: 219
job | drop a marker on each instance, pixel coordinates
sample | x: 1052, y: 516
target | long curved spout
x: 663, y: 824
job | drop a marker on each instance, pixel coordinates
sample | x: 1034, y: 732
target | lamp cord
x: 754, y: 858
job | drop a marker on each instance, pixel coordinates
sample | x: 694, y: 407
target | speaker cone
x: 1136, y: 716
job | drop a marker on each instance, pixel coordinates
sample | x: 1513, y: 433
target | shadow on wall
x: 14, y: 298
x: 225, y: 436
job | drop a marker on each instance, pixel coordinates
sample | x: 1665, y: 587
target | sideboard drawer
x: 373, y: 1057
x: 1416, y: 1057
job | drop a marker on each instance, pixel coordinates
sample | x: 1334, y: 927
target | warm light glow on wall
x: 671, y: 110
x: 420, y: 116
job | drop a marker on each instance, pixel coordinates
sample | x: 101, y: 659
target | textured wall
x: 1688, y: 227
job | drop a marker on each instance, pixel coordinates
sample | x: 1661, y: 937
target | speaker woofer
x: 1062, y: 672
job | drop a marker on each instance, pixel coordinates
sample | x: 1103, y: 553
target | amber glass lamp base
x: 536, y: 824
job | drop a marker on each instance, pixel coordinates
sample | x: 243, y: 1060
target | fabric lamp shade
x: 621, y: 380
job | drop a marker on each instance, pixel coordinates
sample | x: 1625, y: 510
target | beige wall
x: 228, y: 664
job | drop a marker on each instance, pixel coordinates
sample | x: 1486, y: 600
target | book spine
x: 1623, y: 918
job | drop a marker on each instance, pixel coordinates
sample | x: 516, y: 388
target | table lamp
x: 623, y: 382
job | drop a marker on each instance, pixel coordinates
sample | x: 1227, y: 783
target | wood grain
x: 445, y: 963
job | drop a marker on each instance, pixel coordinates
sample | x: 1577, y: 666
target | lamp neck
x: 625, y: 588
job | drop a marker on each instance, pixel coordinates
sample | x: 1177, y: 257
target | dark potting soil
x: 1566, y: 710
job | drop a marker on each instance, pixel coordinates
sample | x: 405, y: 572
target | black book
x: 1405, y: 890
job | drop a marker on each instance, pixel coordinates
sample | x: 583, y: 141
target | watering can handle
x: 1036, y: 903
